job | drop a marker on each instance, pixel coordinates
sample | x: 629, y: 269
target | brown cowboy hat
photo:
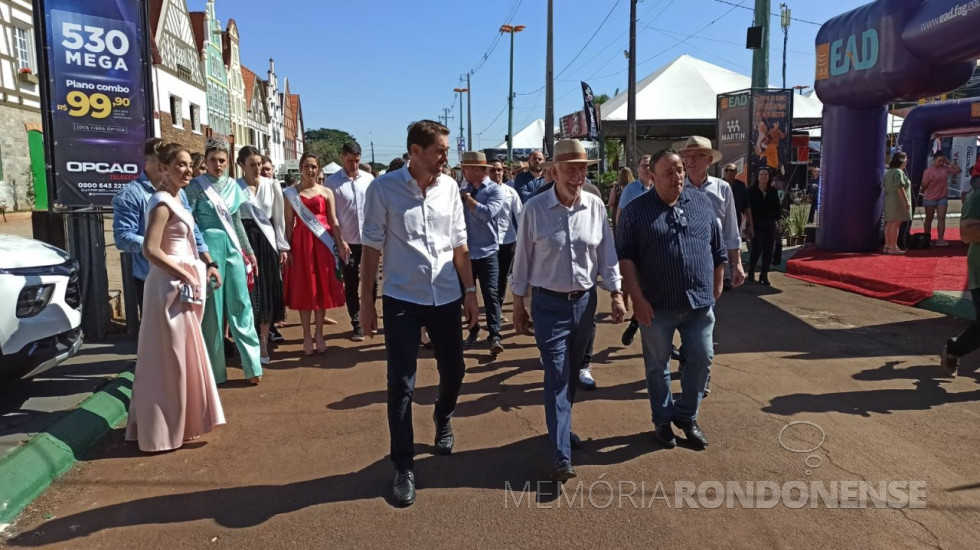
x: 571, y: 150
x: 701, y: 144
x: 474, y: 159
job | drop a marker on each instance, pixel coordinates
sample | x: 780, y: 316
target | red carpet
x: 905, y: 280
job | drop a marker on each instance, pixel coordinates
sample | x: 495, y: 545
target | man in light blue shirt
x: 636, y: 188
x: 129, y: 219
x: 529, y: 181
x: 482, y: 203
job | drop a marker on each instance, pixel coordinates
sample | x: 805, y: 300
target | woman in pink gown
x: 175, y: 398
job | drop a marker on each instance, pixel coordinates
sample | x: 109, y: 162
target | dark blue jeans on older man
x: 696, y: 327
x: 403, y: 322
x: 485, y: 271
x: 563, y: 330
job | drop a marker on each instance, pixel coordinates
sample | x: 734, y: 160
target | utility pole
x: 549, y: 87
x: 784, y: 19
x: 444, y: 117
x: 469, y: 113
x: 631, y: 105
x: 511, y: 29
x: 372, y: 148
x: 760, y: 57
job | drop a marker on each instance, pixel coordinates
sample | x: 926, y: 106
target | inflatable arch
x: 950, y: 117
x: 885, y: 51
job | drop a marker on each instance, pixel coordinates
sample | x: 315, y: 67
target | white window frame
x: 28, y: 61
x: 176, y: 111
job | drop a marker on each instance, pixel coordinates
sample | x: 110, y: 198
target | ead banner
x: 772, y: 131
x: 95, y: 87
x: 591, y: 117
x: 734, y: 127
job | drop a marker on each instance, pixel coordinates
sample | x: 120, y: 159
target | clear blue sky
x: 370, y: 67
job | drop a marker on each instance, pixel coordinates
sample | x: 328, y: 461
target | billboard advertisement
x: 734, y: 128
x: 573, y: 125
x: 95, y: 85
x: 772, y: 131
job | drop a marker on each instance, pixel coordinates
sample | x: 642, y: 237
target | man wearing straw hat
x: 698, y: 156
x: 482, y: 203
x: 564, y: 243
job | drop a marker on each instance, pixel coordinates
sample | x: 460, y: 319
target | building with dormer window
x: 258, y: 113
x: 208, y: 40
x: 237, y: 95
x: 179, y: 87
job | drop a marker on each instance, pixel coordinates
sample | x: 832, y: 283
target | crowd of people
x: 215, y: 256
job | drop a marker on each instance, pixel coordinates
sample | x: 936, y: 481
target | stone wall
x: 170, y: 134
x: 15, y: 156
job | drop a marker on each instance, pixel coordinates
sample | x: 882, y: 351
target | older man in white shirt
x: 349, y: 185
x: 507, y: 220
x: 564, y: 243
x: 415, y: 218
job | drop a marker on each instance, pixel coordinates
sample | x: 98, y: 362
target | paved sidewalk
x: 302, y: 461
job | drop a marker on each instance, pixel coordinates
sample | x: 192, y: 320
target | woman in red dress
x: 311, y: 283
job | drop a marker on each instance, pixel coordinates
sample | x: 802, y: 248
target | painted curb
x: 948, y: 305
x: 27, y: 471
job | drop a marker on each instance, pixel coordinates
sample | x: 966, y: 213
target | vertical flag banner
x: 591, y: 117
x: 734, y: 129
x: 772, y: 130
x: 94, y: 84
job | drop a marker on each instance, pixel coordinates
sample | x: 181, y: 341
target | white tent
x: 331, y: 168
x: 680, y: 99
x: 531, y: 137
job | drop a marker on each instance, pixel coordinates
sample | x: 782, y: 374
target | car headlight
x: 33, y: 299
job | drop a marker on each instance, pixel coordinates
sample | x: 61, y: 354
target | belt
x: 570, y: 296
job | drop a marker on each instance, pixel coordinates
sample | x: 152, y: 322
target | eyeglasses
x: 679, y: 216
x: 730, y: 170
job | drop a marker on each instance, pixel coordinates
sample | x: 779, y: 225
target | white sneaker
x: 585, y: 378
x: 941, y: 242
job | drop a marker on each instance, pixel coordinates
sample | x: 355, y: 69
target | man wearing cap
x: 698, y: 156
x: 673, y: 257
x: 564, y: 243
x: 528, y: 181
x: 349, y: 185
x: 482, y: 202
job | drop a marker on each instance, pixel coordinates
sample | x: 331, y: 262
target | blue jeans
x: 696, y: 327
x: 403, y: 322
x: 563, y: 330
x: 486, y: 270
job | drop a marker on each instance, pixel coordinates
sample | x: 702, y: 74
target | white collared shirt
x: 564, y: 249
x: 349, y: 195
x: 510, y: 215
x: 268, y: 197
x: 416, y: 235
x: 723, y: 201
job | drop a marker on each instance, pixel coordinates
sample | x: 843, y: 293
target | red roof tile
x: 197, y: 25
x: 249, y: 78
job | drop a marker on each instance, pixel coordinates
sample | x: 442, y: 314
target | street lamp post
x: 460, y: 91
x: 784, y: 19
x: 511, y: 29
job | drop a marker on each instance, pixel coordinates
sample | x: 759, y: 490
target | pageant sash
x: 222, y: 209
x: 258, y: 215
x: 311, y: 222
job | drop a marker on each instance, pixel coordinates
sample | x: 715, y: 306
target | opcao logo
x: 812, y: 461
x: 102, y: 168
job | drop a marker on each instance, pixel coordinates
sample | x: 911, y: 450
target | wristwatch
x: 213, y: 264
x: 470, y: 289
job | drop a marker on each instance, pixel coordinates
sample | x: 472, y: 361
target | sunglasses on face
x: 730, y: 170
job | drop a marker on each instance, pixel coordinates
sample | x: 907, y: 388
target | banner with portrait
x: 94, y: 90
x: 592, y: 122
x: 772, y: 131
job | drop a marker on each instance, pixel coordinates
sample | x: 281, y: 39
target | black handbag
x: 919, y: 241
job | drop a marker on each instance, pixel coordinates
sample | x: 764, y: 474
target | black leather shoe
x: 496, y: 348
x: 692, y: 432
x: 563, y: 472
x: 750, y: 277
x: 630, y: 332
x: 675, y: 354
x: 472, y: 338
x: 764, y: 281
x: 576, y: 443
x: 404, y: 487
x: 444, y: 436
x: 665, y: 436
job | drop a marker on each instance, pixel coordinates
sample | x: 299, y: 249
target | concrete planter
x: 29, y: 78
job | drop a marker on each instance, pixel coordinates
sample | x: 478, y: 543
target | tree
x: 327, y: 143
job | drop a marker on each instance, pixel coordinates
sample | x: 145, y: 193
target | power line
x: 773, y: 14
x: 591, y: 38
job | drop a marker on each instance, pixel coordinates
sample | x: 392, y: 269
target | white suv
x: 40, y: 307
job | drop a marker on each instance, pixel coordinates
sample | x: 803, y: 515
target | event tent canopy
x: 680, y: 99
x: 331, y: 168
x: 531, y: 137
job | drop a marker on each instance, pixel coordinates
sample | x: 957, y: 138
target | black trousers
x: 139, y: 285
x: 969, y: 341
x: 505, y: 257
x: 352, y: 283
x: 763, y: 244
x: 403, y: 322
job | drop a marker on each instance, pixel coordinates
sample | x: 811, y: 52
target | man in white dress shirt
x: 507, y: 221
x: 349, y: 185
x: 564, y: 243
x: 414, y: 217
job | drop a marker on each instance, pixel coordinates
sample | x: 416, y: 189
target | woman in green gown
x: 215, y: 200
